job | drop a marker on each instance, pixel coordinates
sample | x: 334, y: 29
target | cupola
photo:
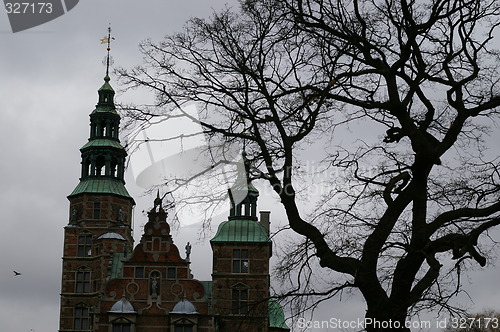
x: 184, y: 307
x: 103, y: 157
x: 122, y: 306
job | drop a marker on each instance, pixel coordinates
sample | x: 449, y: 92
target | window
x: 121, y: 327
x: 139, y: 272
x: 171, y: 273
x: 239, y: 300
x: 83, y: 282
x: 183, y: 328
x: 240, y: 260
x: 84, y: 248
x: 81, y: 318
x: 97, y: 210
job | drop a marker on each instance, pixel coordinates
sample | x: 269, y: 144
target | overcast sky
x: 49, y: 80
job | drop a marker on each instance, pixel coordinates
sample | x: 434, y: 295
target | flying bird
x: 16, y: 273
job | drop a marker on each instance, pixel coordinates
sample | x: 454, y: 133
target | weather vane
x: 107, y: 39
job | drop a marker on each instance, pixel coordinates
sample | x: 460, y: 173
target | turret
x: 241, y: 250
x: 100, y: 218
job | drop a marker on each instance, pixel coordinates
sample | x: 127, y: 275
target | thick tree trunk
x: 385, y: 319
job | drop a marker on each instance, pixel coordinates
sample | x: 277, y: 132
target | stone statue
x: 155, y: 291
x: 188, y: 250
x: 121, y: 215
x: 154, y: 287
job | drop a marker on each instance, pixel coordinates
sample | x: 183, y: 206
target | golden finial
x: 107, y: 39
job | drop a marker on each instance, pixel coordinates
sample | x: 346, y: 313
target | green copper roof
x: 101, y: 186
x: 105, y: 103
x: 117, y: 264
x: 103, y: 142
x: 237, y: 230
x: 207, y: 285
x: 276, y: 315
x: 104, y: 109
x: 106, y: 85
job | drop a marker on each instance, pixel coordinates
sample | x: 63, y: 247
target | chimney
x: 265, y: 220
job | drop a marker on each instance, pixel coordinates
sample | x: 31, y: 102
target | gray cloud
x: 49, y: 81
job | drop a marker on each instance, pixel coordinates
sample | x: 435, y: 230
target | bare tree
x: 409, y: 211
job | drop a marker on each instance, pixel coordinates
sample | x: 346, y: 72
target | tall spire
x: 103, y: 157
x: 243, y: 195
x: 107, y: 39
x: 109, y: 49
x: 106, y: 92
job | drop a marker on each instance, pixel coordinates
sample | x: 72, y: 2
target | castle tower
x: 100, y: 218
x: 241, y: 252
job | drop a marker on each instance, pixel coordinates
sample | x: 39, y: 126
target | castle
x: 108, y: 285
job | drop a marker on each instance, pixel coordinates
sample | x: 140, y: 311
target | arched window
x: 84, y: 246
x: 81, y: 318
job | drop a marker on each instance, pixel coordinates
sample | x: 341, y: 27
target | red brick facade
x: 88, y: 254
x: 255, y: 281
x: 99, y: 269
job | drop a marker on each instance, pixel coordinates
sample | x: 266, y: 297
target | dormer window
x: 122, y: 316
x: 184, y: 317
